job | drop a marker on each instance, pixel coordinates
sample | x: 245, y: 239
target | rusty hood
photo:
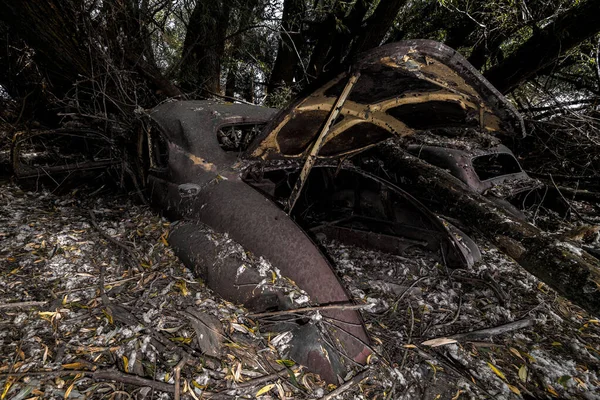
x: 402, y: 88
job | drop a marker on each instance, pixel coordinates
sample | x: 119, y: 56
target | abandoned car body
x: 229, y: 180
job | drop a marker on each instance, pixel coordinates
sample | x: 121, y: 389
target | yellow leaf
x: 285, y: 363
x: 580, y: 383
x: 183, y: 287
x: 409, y: 346
x: 199, y: 386
x: 75, y: 365
x: 181, y: 339
x: 530, y: 357
x: 433, y: 367
x: 273, y: 277
x: 125, y: 364
x: 523, y: 373
x: 7, y: 385
x: 516, y: 353
x: 556, y: 344
x: 514, y: 389
x: 163, y: 238
x: 457, y: 395
x: 551, y: 390
x: 109, y: 317
x: 496, y: 371
x: 69, y: 389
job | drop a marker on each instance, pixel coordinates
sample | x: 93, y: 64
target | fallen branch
x: 572, y: 272
x: 263, y: 379
x: 118, y: 376
x: 177, y: 370
x: 498, y: 330
x: 22, y: 304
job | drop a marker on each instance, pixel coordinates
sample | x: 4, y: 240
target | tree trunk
x: 204, y: 46
x: 325, y: 32
x: 51, y: 28
x: 378, y: 25
x: 335, y: 35
x: 572, y: 272
x: 546, y: 45
x: 289, y: 44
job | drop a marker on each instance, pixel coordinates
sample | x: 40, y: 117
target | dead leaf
x: 496, y: 371
x: 75, y: 365
x: 551, y: 390
x: 208, y: 330
x: 523, y: 373
x: 438, y: 342
x: 516, y: 353
x: 514, y: 389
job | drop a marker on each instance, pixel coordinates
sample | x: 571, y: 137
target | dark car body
x: 230, y: 169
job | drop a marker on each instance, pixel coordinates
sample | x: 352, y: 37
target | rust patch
x: 202, y: 163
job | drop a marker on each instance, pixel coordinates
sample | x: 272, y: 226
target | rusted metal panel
x: 398, y: 81
x: 262, y: 228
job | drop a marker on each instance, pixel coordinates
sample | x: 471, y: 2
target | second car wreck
x: 249, y: 187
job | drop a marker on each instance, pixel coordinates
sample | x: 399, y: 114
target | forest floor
x: 94, y: 304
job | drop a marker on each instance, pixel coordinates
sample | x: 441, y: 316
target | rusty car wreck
x: 249, y: 187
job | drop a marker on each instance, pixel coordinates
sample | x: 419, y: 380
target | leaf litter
x: 154, y: 325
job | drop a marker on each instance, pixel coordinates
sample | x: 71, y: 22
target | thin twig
x: 569, y: 204
x: 412, y: 326
x: 257, y: 381
x: 316, y: 308
x: 347, y: 385
x: 177, y: 370
x: 453, y: 319
x: 114, y: 241
x: 23, y: 304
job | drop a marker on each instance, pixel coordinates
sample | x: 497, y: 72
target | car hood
x: 403, y: 88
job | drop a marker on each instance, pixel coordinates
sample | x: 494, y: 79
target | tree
x: 377, y: 25
x: 290, y: 42
x: 546, y: 45
x: 204, y: 45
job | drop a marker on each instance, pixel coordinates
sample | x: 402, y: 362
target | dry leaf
x: 514, y: 389
x: 265, y: 389
x: 523, y: 373
x: 75, y: 365
x: 516, y: 353
x: 551, y: 390
x: 438, y: 342
x: 497, y: 371
x: 125, y: 364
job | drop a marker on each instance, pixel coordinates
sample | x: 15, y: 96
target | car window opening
x: 159, y: 150
x: 494, y: 165
x: 237, y: 138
